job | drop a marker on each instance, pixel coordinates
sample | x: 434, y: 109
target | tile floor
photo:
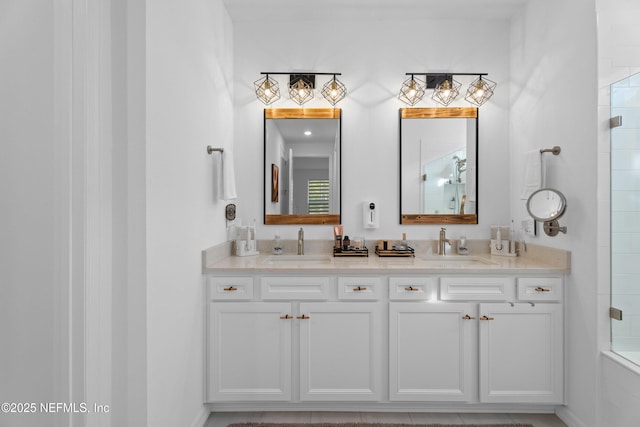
x: 222, y: 419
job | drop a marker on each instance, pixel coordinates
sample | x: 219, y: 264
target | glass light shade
x: 446, y: 92
x: 480, y: 91
x: 334, y: 91
x: 267, y: 90
x: 411, y: 91
x: 300, y: 91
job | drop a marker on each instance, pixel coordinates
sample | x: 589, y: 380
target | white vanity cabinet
x: 340, y: 352
x: 521, y: 355
x: 431, y: 351
x: 249, y: 351
x: 466, y: 339
x: 506, y: 351
x: 297, y: 341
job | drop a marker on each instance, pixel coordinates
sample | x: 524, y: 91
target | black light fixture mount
x: 309, y: 79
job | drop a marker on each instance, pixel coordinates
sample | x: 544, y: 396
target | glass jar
x: 277, y: 245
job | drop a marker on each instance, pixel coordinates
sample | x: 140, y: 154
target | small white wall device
x: 370, y: 215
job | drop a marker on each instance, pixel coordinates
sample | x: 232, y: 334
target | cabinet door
x: 249, y: 352
x: 521, y: 354
x: 340, y: 352
x: 432, y: 347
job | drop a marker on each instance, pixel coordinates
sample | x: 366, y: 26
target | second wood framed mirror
x: 438, y: 165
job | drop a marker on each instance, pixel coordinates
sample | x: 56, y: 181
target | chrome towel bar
x: 555, y: 150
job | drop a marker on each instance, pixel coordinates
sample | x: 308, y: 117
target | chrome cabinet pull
x: 359, y: 288
x: 230, y: 289
x: 467, y: 317
x: 486, y: 318
x: 304, y: 316
x: 540, y: 289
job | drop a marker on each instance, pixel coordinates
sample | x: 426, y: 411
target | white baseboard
x: 201, y: 418
x: 569, y: 418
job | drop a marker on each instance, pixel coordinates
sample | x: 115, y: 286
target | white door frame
x: 83, y: 173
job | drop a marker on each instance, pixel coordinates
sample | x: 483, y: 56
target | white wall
x: 553, y: 73
x: 618, y: 58
x: 274, y: 157
x: 27, y: 194
x: 189, y: 106
x: 129, y: 287
x: 373, y: 57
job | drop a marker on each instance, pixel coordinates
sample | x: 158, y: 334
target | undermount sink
x: 457, y: 260
x: 298, y: 259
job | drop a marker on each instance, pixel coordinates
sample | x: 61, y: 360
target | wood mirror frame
x: 435, y: 113
x: 302, y: 113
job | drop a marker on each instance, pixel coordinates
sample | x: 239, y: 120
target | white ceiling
x: 292, y: 130
x: 369, y: 10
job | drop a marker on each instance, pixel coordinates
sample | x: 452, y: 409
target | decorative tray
x: 409, y: 252
x: 351, y: 252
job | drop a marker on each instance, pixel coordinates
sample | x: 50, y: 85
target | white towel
x: 532, y: 173
x: 224, y: 177
x: 228, y: 176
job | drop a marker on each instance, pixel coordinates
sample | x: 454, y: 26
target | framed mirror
x: 302, y: 165
x: 438, y: 165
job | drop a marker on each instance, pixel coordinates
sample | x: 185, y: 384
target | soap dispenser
x: 370, y: 215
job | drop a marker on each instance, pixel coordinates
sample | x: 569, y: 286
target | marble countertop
x: 537, y: 259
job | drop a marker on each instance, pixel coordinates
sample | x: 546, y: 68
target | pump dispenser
x: 370, y: 215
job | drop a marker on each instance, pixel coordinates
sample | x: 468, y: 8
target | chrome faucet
x: 301, y: 241
x: 442, y: 241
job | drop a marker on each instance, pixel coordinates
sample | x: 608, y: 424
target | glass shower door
x: 625, y: 218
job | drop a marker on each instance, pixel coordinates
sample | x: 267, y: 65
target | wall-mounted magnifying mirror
x: 302, y: 157
x: 438, y: 165
x: 547, y: 205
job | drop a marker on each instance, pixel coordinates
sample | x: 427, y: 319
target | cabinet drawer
x: 540, y: 289
x: 477, y: 288
x: 359, y: 288
x: 295, y: 288
x: 230, y: 288
x: 412, y: 288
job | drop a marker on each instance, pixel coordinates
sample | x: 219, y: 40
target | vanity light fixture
x: 334, y: 90
x: 267, y: 89
x: 301, y: 87
x: 446, y: 91
x: 446, y: 88
x: 480, y: 91
x: 411, y: 91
